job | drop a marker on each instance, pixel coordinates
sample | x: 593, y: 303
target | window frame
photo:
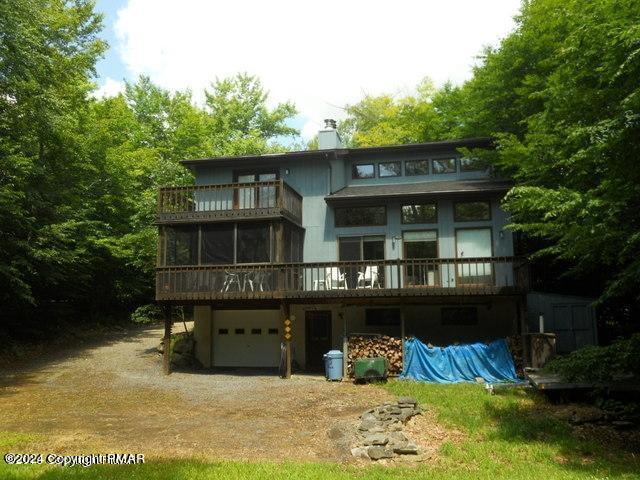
x: 426, y: 160
x: 397, y: 162
x: 457, y: 219
x: 335, y: 217
x: 462, y: 170
x: 437, y: 240
x: 354, y: 169
x: 361, y: 238
x: 437, y: 159
x: 402, y: 221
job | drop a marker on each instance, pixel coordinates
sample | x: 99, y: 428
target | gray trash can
x: 333, y: 365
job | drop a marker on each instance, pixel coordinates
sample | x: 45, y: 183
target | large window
x: 420, y: 213
x: 361, y: 248
x: 253, y: 243
x: 453, y: 316
x: 389, y: 169
x: 471, y: 211
x: 218, y: 244
x: 471, y: 165
x: 382, y: 317
x: 360, y: 216
x: 444, y: 165
x: 364, y: 170
x: 181, y: 247
x: 420, y: 245
x: 416, y: 167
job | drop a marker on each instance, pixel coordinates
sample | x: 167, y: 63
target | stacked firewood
x: 515, y: 346
x: 367, y: 346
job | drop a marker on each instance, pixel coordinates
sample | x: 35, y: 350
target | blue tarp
x: 459, y: 363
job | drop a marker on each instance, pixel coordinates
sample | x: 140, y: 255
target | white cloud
x: 110, y: 88
x: 320, y: 55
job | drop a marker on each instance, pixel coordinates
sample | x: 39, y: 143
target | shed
x: 571, y: 318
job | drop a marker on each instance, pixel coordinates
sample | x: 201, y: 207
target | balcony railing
x: 373, y: 278
x: 232, y: 200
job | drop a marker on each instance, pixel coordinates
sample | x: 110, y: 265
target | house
x: 310, y: 247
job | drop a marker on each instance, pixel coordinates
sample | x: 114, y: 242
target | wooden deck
x: 385, y: 280
x: 552, y: 382
x: 232, y: 201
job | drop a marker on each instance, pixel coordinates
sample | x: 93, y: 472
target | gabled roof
x: 348, y: 152
x: 369, y: 192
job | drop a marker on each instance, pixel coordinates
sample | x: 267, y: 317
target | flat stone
x: 377, y: 452
x: 359, y: 452
x: 368, y: 424
x: 368, y: 416
x: 408, y: 448
x: 410, y: 400
x: 375, y: 439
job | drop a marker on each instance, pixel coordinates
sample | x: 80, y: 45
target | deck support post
x: 285, y: 316
x: 524, y: 329
x: 345, y: 346
x: 166, y: 348
x: 402, y: 334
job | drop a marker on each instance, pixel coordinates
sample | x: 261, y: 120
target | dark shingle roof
x: 354, y: 192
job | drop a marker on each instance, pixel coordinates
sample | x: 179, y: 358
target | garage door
x: 246, y: 338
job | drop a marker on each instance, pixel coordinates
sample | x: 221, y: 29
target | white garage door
x: 246, y: 338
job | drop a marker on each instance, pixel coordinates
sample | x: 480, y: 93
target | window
x: 360, y: 216
x: 420, y: 245
x: 365, y: 170
x: 416, y: 167
x: 471, y: 211
x: 181, y: 245
x: 382, y: 317
x: 217, y: 244
x: 422, y: 213
x: 361, y: 248
x: 444, y: 165
x: 459, y: 315
x: 273, y: 331
x: 239, y: 331
x: 471, y: 165
x: 389, y: 169
x: 253, y: 243
x: 256, y: 331
x: 255, y: 197
x: 223, y: 331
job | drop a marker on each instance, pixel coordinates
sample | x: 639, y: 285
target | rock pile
x: 380, y: 431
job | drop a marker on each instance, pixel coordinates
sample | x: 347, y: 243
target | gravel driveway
x: 112, y: 396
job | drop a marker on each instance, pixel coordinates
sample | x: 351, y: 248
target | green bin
x: 374, y: 368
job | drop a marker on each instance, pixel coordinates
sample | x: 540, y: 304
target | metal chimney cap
x: 330, y: 123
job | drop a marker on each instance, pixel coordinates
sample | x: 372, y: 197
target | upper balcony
x: 231, y: 201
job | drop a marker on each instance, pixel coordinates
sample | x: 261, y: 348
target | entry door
x: 318, y: 341
x: 474, y: 243
x: 256, y: 197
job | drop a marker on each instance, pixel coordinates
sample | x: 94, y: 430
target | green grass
x: 509, y: 435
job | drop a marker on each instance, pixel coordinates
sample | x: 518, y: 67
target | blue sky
x: 321, y: 55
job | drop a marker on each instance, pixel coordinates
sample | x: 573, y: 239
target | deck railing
x: 229, y: 200
x: 429, y: 276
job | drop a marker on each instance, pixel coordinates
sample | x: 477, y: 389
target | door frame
x: 404, y: 256
x: 255, y: 172
x: 307, y: 333
x: 493, y: 269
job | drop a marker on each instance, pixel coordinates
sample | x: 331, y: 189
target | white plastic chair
x: 231, y: 278
x: 369, y: 278
x: 334, y: 279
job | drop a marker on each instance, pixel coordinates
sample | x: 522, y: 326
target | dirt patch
x: 113, y: 397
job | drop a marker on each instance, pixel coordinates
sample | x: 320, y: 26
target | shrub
x: 146, y: 314
x: 599, y: 364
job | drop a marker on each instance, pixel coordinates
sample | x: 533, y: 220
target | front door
x: 318, y: 342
